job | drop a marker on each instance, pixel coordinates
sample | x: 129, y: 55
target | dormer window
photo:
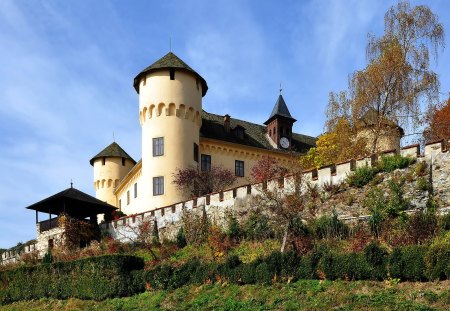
x: 239, y: 132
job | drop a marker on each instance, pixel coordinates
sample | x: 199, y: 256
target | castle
x: 178, y: 134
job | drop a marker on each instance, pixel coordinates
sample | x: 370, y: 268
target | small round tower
x: 110, y: 166
x: 170, y: 114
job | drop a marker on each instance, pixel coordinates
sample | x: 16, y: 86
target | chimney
x: 226, y: 123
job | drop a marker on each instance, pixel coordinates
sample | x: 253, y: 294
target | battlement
x: 335, y: 173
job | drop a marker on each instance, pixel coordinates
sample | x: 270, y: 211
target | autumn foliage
x: 439, y: 122
x: 267, y: 168
x: 197, y: 182
x: 339, y: 145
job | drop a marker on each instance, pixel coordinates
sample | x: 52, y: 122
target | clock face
x: 284, y: 142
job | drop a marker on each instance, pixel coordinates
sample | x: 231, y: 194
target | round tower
x: 110, y: 166
x: 170, y: 114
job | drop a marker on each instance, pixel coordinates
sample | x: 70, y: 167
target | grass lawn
x: 301, y: 295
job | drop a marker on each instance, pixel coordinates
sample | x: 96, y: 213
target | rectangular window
x: 172, y: 74
x: 206, y: 162
x: 128, y: 197
x: 123, y: 161
x: 135, y: 190
x: 158, y: 146
x: 103, y: 160
x: 239, y: 168
x: 195, y: 152
x: 120, y: 204
x: 158, y: 185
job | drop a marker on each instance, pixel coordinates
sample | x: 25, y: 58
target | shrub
x: 396, y: 203
x: 263, y: 274
x: 257, y: 227
x: 407, y: 263
x: 48, y: 258
x: 391, y: 163
x: 444, y: 222
x: 234, y: 231
x: 95, y: 278
x: 423, y: 184
x: 421, y: 168
x: 351, y: 266
x: 421, y: 226
x: 437, y: 263
x: 330, y: 227
x: 376, y: 257
x: 181, y: 238
x: 361, y: 176
x: 159, y: 277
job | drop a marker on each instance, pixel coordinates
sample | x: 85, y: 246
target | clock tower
x: 279, y: 125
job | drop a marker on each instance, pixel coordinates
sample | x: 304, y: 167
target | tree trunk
x: 283, y: 245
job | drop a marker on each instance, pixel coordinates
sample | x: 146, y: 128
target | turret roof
x: 113, y: 150
x: 280, y: 109
x: 169, y: 61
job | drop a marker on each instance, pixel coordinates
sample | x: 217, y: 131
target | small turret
x: 279, y: 124
x: 110, y: 166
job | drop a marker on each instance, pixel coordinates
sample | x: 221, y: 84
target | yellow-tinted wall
x: 170, y: 109
x: 107, y: 177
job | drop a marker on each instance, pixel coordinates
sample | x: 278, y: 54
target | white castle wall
x: 217, y: 204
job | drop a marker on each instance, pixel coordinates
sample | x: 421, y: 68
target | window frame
x: 158, y: 146
x: 205, y: 164
x: 135, y: 190
x: 158, y: 185
x: 239, y: 168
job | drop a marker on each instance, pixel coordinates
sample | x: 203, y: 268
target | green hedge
x: 95, y: 278
x: 375, y: 263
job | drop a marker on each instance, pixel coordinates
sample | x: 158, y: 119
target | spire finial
x: 281, y: 89
x: 71, y: 183
x: 170, y: 44
x: 114, y: 138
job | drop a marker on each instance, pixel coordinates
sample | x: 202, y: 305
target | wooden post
x: 37, y: 219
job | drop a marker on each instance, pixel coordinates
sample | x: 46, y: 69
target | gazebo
x: 71, y: 202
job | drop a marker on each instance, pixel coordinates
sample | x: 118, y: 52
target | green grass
x: 302, y: 295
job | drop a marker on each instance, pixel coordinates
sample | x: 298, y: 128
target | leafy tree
x: 267, y: 168
x: 397, y: 78
x: 197, y: 182
x: 438, y: 118
x: 339, y: 145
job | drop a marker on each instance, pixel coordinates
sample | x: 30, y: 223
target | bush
x: 257, y: 227
x: 391, y: 163
x: 423, y: 184
x: 421, y: 168
x: 94, y: 278
x: 444, y: 222
x: 234, y: 231
x: 407, y: 263
x: 330, y: 227
x: 181, y: 238
x: 362, y: 176
x: 376, y: 257
x: 396, y: 203
x: 421, y: 226
x: 159, y: 277
x: 352, y: 266
x: 263, y: 274
x: 437, y: 263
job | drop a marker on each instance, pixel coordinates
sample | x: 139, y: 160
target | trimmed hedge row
x: 375, y: 263
x: 95, y: 278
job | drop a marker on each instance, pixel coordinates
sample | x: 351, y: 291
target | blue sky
x: 67, y: 68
